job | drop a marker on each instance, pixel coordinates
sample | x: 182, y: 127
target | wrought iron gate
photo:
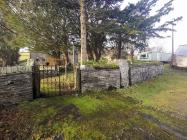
x: 55, y: 80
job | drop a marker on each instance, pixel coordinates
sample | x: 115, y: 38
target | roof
x: 182, y: 50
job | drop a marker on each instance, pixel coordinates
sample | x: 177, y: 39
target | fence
x: 14, y: 70
x: 55, y: 80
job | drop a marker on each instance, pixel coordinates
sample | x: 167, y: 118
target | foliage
x: 135, y: 24
x: 51, y: 25
x: 11, y: 35
x: 9, y: 55
x: 99, y: 23
x: 102, y: 64
x: 138, y: 62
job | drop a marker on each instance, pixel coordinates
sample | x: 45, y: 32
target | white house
x: 154, y: 56
x: 180, y: 59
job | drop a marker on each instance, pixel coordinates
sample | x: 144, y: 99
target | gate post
x: 36, y: 81
x: 77, y: 78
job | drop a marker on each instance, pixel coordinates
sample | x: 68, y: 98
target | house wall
x: 43, y: 59
x: 52, y: 60
x: 39, y: 58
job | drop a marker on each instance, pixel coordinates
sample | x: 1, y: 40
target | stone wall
x: 100, y: 79
x: 124, y: 69
x: 139, y: 73
x: 126, y: 75
x: 18, y: 87
x: 15, y: 88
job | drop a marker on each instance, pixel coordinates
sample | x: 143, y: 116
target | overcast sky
x: 180, y: 9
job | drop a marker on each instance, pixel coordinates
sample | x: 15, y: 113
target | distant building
x: 24, y: 56
x: 41, y: 58
x: 154, y: 56
x: 180, y: 58
x: 38, y: 58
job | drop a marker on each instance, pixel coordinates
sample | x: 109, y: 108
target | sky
x: 180, y: 36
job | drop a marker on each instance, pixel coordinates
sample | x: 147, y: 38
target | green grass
x: 105, y: 116
x: 138, y: 62
x: 104, y: 64
x: 133, y: 113
x: 51, y: 85
x: 167, y: 92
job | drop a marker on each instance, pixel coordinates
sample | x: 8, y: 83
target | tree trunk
x: 97, y: 54
x: 97, y: 40
x: 132, y: 53
x: 90, y: 53
x: 83, y: 31
x: 119, y: 47
x: 4, y: 62
x: 66, y: 57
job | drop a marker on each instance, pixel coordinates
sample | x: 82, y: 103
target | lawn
x: 50, y: 85
x: 154, y: 109
x: 167, y: 92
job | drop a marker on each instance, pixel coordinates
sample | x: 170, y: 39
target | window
x: 143, y: 56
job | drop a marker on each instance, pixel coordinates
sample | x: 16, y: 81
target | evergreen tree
x: 10, y: 39
x: 98, y: 25
x: 136, y: 25
x: 49, y: 24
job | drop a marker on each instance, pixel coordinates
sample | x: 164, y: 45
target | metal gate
x: 55, y: 80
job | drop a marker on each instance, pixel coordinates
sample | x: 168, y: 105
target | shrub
x: 101, y: 64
